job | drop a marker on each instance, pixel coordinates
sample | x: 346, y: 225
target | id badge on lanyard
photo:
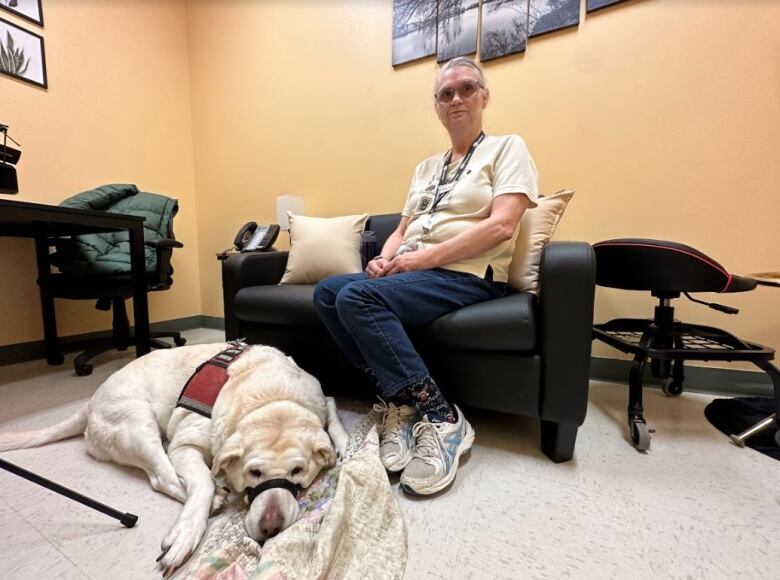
x: 443, y: 193
x: 443, y: 190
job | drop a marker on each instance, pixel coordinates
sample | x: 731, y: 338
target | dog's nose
x: 270, y: 532
x: 271, y: 522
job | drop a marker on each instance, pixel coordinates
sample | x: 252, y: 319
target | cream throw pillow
x: 322, y: 247
x: 536, y: 228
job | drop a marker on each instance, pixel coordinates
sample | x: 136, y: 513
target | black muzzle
x: 253, y: 492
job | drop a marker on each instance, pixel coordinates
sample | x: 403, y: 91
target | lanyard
x: 439, y: 195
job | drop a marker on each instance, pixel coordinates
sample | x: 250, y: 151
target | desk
x: 22, y: 219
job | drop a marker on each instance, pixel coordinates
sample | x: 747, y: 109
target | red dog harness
x: 203, y: 387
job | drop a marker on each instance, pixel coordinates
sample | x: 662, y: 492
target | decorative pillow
x: 322, y: 247
x: 536, y: 228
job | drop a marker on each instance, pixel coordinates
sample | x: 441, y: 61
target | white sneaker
x: 395, y: 437
x: 437, y: 451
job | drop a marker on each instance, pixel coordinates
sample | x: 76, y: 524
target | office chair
x: 666, y: 270
x: 97, y: 266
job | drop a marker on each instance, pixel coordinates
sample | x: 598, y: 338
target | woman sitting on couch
x: 451, y: 249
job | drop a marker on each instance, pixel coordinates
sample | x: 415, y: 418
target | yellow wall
x: 117, y: 110
x: 663, y: 114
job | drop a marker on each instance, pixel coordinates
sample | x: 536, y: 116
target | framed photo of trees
x: 22, y: 54
x: 452, y: 28
x: 458, y: 24
x: 548, y: 15
x: 27, y: 9
x: 504, y: 28
x: 414, y: 30
x: 596, y: 4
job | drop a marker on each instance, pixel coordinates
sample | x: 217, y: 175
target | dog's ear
x: 322, y: 450
x: 229, y: 453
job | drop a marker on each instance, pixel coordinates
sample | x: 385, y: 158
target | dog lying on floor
x: 267, y: 428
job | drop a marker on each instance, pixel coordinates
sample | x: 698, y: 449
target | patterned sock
x: 430, y: 402
x: 402, y: 397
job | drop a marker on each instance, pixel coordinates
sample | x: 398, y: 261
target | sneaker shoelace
x: 391, y: 423
x: 428, y: 441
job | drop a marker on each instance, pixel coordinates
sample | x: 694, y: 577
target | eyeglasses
x: 467, y: 90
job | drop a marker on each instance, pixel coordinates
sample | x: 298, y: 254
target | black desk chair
x: 667, y: 269
x: 97, y: 266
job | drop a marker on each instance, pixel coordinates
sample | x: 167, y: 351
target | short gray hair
x: 464, y: 62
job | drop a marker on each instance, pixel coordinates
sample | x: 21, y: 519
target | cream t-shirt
x: 499, y: 165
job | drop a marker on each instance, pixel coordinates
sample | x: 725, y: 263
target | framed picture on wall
x: 596, y: 4
x: 457, y: 34
x: 27, y: 9
x: 21, y: 54
x: 504, y: 25
x: 548, y: 15
x: 414, y: 30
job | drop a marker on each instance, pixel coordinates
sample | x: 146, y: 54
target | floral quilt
x: 350, y: 526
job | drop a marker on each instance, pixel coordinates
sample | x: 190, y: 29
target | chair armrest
x: 164, y: 243
x: 164, y: 248
x: 567, y: 288
x: 244, y: 270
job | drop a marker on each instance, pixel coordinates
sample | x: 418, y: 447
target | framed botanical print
x: 22, y: 54
x: 27, y: 9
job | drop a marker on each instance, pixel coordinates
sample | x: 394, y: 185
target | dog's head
x: 275, y: 446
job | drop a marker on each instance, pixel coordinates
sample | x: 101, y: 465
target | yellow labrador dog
x: 268, y: 422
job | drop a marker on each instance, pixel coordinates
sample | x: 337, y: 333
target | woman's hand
x: 409, y: 262
x: 374, y: 267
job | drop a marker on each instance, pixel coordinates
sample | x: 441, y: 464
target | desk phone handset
x: 256, y: 238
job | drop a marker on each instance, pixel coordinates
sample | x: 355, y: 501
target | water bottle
x: 368, y: 249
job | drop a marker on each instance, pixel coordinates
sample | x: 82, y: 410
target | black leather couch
x: 519, y: 354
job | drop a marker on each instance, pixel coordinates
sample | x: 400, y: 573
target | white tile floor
x: 693, y: 507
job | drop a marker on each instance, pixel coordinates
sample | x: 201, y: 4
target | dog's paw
x: 179, y: 545
x: 340, y: 445
x: 221, y: 497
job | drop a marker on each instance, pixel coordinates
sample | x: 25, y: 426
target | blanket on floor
x: 350, y: 527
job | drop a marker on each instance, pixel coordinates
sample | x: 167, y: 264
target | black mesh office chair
x: 97, y: 266
x: 666, y: 270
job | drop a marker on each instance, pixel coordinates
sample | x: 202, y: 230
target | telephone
x: 257, y: 238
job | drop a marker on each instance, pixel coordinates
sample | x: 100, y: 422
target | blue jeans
x: 366, y: 317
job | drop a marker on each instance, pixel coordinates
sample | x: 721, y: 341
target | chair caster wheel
x: 55, y: 359
x: 179, y: 341
x: 672, y: 388
x: 84, y: 370
x: 777, y: 437
x: 640, y: 436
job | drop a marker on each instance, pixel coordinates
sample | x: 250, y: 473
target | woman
x: 452, y: 248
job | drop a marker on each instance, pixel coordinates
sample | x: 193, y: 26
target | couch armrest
x: 566, y: 291
x: 248, y: 269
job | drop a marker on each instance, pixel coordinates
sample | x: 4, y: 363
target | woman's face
x: 460, y: 99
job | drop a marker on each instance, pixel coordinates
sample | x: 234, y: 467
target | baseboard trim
x: 213, y: 322
x: 27, y: 351
x: 712, y: 380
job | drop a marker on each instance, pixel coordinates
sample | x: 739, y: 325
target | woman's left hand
x: 408, y: 262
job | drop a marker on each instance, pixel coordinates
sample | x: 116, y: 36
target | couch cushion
x: 286, y: 305
x: 535, y: 230
x: 503, y: 324
x: 322, y: 247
